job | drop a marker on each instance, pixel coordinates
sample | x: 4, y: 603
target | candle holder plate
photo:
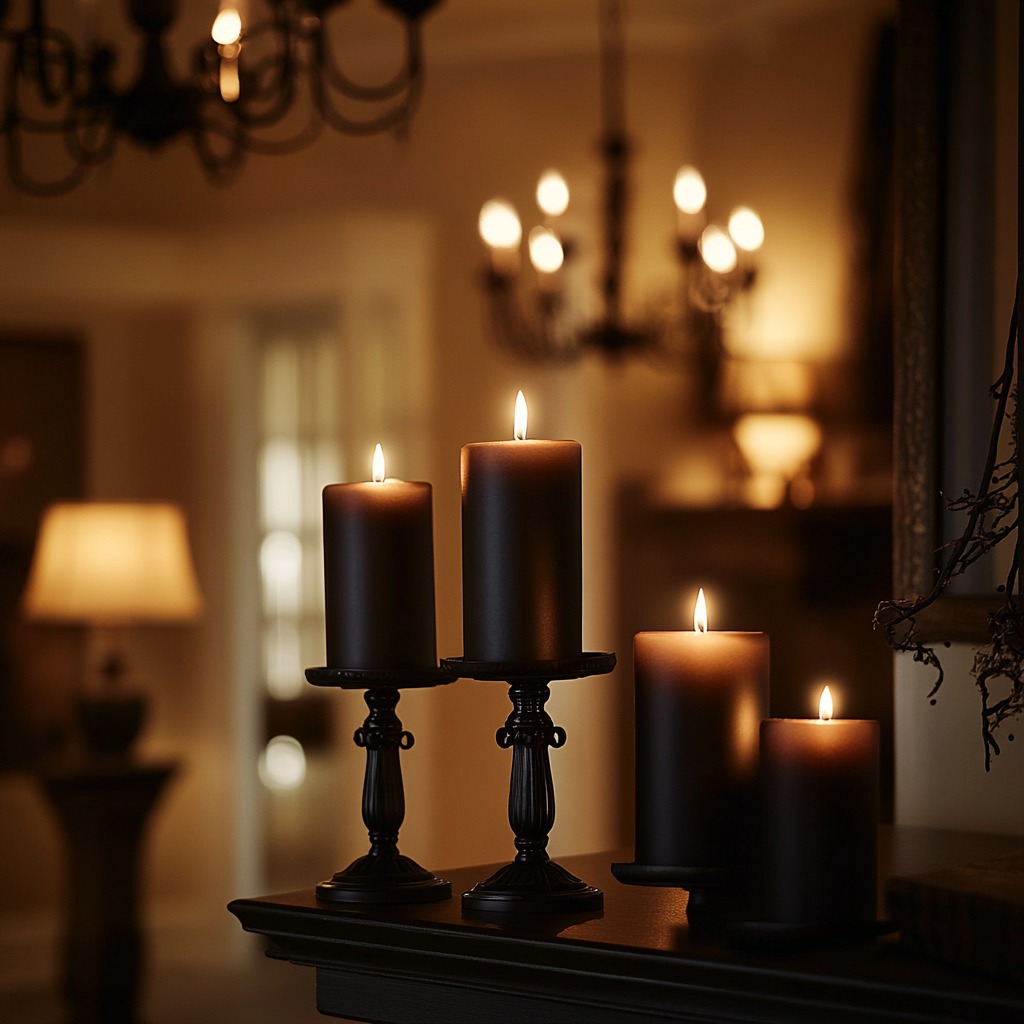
x: 710, y: 891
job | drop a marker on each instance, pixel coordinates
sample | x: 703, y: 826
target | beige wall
x: 153, y: 264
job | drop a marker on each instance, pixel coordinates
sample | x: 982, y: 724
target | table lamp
x: 112, y: 565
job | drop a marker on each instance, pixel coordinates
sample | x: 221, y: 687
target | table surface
x: 634, y: 961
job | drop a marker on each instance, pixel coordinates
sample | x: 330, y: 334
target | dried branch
x: 992, y: 517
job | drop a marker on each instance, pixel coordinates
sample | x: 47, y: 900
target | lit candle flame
x: 378, y: 465
x: 519, y: 423
x: 825, y: 705
x: 700, y: 613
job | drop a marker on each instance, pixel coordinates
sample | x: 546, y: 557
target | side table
x: 103, y: 808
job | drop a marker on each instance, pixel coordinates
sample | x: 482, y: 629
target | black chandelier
x: 716, y: 264
x: 264, y: 84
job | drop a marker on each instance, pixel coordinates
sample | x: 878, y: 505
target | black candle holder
x: 383, y: 875
x: 533, y: 882
x: 711, y: 903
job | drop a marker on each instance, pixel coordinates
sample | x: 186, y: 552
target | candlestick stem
x: 383, y: 875
x: 529, y: 731
x: 532, y: 882
x: 382, y: 736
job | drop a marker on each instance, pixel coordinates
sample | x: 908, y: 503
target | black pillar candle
x: 819, y: 785
x: 700, y: 698
x: 522, y: 550
x: 379, y: 575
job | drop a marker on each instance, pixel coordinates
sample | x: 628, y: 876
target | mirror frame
x: 920, y: 306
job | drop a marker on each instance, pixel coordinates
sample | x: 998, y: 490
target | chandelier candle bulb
x: 690, y: 196
x: 700, y: 697
x: 379, y: 573
x: 819, y: 803
x: 522, y: 548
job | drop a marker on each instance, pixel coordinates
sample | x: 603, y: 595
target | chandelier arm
x: 271, y: 77
x: 49, y: 53
x: 35, y: 42
x: 91, y: 152
x: 393, y: 119
x: 401, y: 81
x: 38, y: 187
x: 59, y: 90
x: 30, y: 53
x: 91, y: 130
x: 615, y: 154
x: 71, y: 127
x: 282, y: 147
x: 219, y: 167
x: 534, y: 338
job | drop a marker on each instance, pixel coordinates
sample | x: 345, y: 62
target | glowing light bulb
x: 700, y: 613
x: 746, y: 229
x: 717, y: 250
x: 689, y: 191
x: 227, y: 27
x: 499, y: 224
x: 825, y: 705
x: 378, y: 465
x: 546, y: 253
x: 552, y: 194
x: 520, y: 417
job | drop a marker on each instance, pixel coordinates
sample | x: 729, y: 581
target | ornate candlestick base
x: 532, y: 882
x: 383, y: 875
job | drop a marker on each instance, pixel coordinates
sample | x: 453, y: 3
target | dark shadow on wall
x: 42, y: 406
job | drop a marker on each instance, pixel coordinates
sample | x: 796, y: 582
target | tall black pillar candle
x: 522, y: 549
x: 379, y: 574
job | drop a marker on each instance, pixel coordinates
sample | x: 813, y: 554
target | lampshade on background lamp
x: 777, y: 447
x: 110, y: 565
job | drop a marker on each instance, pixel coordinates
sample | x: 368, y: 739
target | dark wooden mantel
x: 634, y: 962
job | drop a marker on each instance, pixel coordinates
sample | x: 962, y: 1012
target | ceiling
x: 506, y: 28
x: 483, y: 29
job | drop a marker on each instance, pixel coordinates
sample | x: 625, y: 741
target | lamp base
x: 110, y: 724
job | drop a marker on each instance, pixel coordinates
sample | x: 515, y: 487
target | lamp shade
x: 112, y: 563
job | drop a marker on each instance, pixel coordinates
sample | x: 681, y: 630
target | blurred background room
x: 233, y: 347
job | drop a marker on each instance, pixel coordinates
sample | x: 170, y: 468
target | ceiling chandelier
x: 266, y: 80
x: 716, y: 264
